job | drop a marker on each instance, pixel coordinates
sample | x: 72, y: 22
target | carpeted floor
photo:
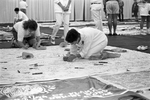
x: 130, y: 42
x: 124, y: 41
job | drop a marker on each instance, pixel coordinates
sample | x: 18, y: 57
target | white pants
x: 61, y: 17
x: 98, y: 49
x: 97, y: 17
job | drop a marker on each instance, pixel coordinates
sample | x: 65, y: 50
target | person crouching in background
x: 26, y: 34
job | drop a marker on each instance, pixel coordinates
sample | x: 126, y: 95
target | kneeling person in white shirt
x: 87, y: 43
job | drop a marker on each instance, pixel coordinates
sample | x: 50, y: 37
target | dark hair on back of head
x: 30, y: 24
x: 16, y: 9
x: 72, y: 36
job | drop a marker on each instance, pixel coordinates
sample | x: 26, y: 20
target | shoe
x: 148, y: 31
x: 52, y: 41
x: 142, y: 48
x: 63, y: 44
x: 109, y: 34
x: 114, y: 34
x: 62, y: 37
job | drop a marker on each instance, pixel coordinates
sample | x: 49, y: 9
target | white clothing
x: 23, y: 4
x: 97, y: 17
x: 58, y: 9
x: 96, y: 12
x: 148, y: 6
x: 21, y: 16
x: 22, y: 32
x: 96, y: 4
x: 143, y: 9
x: 61, y: 16
x: 93, y: 41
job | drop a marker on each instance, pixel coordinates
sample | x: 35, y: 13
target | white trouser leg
x: 96, y: 50
x: 59, y: 19
x: 97, y: 17
x: 66, y: 18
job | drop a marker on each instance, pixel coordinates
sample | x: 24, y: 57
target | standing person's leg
x: 109, y: 13
x: 56, y: 27
x: 66, y: 19
x: 96, y: 16
x: 142, y: 23
x: 148, y: 24
x: 122, y: 15
x: 114, y: 17
x: 115, y: 12
x: 136, y: 16
x: 110, y: 23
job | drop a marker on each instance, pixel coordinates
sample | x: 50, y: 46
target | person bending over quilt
x: 27, y: 34
x: 87, y: 43
x: 20, y: 16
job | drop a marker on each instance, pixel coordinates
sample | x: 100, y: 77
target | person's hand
x: 40, y: 48
x: 26, y: 46
x: 71, y: 57
x: 65, y: 8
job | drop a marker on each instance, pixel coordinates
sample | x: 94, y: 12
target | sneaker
x: 109, y: 34
x: 62, y: 37
x: 63, y: 44
x: 52, y: 41
x: 148, y: 31
x: 143, y: 32
x: 114, y: 34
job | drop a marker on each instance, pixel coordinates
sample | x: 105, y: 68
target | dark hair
x: 30, y: 24
x: 72, y: 36
x: 16, y: 9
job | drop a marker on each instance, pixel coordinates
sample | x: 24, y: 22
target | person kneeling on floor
x: 87, y: 43
x: 27, y: 34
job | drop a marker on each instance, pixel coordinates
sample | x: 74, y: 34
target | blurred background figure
x: 144, y: 13
x: 135, y: 10
x: 23, y: 6
x: 121, y: 15
x: 62, y: 9
x: 20, y: 16
x: 96, y: 11
x: 112, y: 10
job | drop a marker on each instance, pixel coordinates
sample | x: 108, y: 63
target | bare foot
x: 105, y: 55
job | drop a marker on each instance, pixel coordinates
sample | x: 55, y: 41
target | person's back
x: 22, y: 16
x: 93, y: 34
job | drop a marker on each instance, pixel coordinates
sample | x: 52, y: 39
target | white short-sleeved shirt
x: 148, y: 6
x: 58, y: 9
x: 90, y: 37
x: 23, y: 4
x: 22, y: 33
x: 22, y: 16
x: 144, y: 9
x: 96, y: 4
